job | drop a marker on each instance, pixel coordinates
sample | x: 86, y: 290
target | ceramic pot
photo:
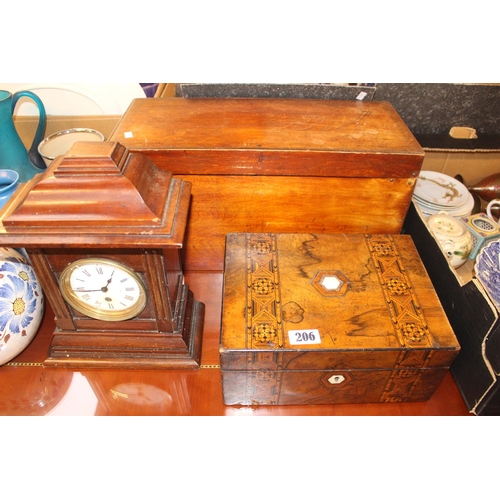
x: 21, y: 304
x: 452, y: 236
x: 13, y: 154
x: 8, y: 185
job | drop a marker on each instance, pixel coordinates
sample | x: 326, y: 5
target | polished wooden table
x: 29, y: 388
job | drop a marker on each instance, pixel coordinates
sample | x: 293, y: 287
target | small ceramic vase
x: 21, y: 304
x: 452, y: 236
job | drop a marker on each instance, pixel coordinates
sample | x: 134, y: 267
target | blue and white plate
x: 487, y: 269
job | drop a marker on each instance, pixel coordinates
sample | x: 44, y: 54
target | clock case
x: 100, y: 200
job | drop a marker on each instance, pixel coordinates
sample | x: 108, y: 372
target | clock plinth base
x: 129, y: 350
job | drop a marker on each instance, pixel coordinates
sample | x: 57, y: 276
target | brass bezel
x: 92, y: 312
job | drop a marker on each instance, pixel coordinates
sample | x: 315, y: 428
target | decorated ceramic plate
x: 440, y: 190
x: 462, y: 211
x: 437, y: 206
x: 487, y: 269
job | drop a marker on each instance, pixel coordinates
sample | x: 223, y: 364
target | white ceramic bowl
x: 60, y: 143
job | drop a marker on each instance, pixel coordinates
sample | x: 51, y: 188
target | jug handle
x: 33, y: 153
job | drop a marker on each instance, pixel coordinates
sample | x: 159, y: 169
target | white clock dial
x: 103, y: 289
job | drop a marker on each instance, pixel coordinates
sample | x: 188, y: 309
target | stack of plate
x: 437, y: 192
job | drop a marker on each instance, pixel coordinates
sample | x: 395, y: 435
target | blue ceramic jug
x: 13, y: 154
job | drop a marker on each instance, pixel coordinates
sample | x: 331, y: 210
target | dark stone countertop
x: 427, y: 108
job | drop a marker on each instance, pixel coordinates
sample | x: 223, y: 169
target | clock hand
x: 105, y: 287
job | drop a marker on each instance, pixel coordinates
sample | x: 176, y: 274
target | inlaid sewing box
x: 330, y: 318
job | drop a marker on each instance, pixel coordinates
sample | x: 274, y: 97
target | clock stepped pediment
x: 99, y: 188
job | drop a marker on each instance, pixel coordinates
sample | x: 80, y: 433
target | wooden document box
x: 326, y: 319
x: 278, y: 165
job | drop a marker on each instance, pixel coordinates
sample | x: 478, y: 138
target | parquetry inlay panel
x: 409, y: 321
x: 264, y: 325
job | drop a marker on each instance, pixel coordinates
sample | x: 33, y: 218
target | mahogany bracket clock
x: 104, y: 230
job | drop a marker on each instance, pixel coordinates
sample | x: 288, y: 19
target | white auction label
x: 301, y: 337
